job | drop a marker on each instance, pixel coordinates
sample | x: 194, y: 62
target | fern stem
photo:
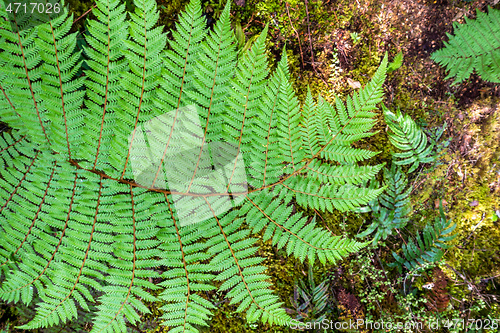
x: 183, y: 261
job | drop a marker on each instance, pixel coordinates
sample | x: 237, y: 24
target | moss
x: 169, y: 10
x: 474, y: 206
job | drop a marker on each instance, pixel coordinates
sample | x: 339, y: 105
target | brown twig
x: 310, y: 44
x: 296, y: 33
x: 309, y: 34
x: 249, y: 21
x: 88, y: 11
x: 324, y: 222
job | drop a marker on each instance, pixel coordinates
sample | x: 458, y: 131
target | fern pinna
x: 164, y: 158
x: 391, y: 209
x: 408, y: 137
x: 436, y: 237
x: 475, y: 46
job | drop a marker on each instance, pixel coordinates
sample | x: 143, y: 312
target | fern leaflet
x: 391, y: 209
x: 408, y: 137
x: 429, y: 246
x: 475, y: 45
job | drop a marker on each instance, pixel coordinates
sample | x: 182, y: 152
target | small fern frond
x: 356, y: 115
x: 310, y: 300
x: 429, y: 246
x: 408, y: 136
x: 397, y: 195
x: 391, y: 209
x: 475, y: 45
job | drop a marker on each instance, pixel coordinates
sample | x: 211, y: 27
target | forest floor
x: 335, y: 46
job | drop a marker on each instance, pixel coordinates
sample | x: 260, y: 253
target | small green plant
x: 355, y: 37
x: 309, y: 300
x: 428, y: 247
x: 475, y: 45
x: 391, y: 209
x: 396, y: 63
x: 408, y: 137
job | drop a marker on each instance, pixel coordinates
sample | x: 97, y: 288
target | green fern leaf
x: 164, y: 157
x: 21, y: 81
x: 475, y: 45
x: 408, y: 137
x: 416, y: 255
x: 105, y: 53
x: 60, y: 89
x: 391, y: 209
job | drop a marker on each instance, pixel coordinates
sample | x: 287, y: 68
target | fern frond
x: 391, y: 209
x: 342, y: 174
x: 310, y: 301
x: 289, y: 119
x: 212, y: 76
x: 247, y: 89
x: 136, y: 103
x: 311, y: 125
x: 105, y: 53
x: 182, y: 251
x: 266, y: 168
x: 273, y: 214
x: 475, y: 45
x: 179, y: 61
x: 396, y: 198
x: 311, y: 193
x: 242, y: 274
x: 429, y: 246
x: 130, y: 247
x: 348, y: 123
x: 353, y: 120
x: 20, y: 82
x: 60, y: 94
x: 178, y: 77
x: 408, y: 137
x: 50, y: 236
